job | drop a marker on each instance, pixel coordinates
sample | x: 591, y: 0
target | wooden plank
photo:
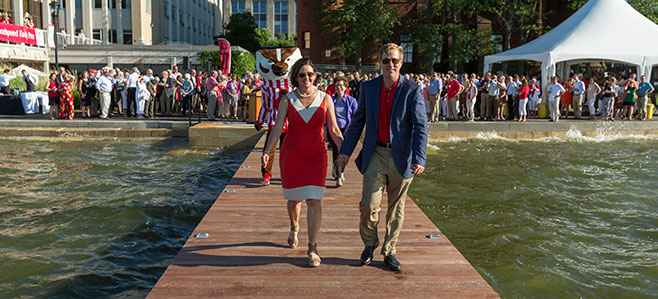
x: 246, y: 253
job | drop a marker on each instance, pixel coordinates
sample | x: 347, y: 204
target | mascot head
x: 275, y: 63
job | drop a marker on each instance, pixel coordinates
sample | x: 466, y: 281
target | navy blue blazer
x: 408, y: 129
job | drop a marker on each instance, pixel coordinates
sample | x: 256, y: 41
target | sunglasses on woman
x: 302, y: 75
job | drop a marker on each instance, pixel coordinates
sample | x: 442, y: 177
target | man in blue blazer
x: 392, y: 110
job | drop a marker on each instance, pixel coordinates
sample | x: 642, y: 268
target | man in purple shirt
x: 345, y: 105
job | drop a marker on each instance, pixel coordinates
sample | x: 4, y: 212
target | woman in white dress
x: 592, y: 92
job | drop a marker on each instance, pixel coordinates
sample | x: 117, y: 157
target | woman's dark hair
x: 341, y: 79
x: 294, y: 70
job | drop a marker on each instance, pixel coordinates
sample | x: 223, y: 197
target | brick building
x: 314, y: 45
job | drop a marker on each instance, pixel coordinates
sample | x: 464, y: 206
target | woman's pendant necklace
x: 310, y: 92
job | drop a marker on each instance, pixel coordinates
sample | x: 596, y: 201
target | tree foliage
x: 240, y: 61
x: 350, y: 25
x: 279, y: 40
x: 241, y: 30
x: 451, y: 37
x: 649, y: 8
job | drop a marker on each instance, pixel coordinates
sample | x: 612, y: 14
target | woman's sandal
x: 292, y: 239
x: 313, y: 260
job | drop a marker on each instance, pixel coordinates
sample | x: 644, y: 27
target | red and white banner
x: 17, y: 34
x: 225, y: 51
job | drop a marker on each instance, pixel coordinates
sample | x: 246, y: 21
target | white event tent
x: 609, y: 30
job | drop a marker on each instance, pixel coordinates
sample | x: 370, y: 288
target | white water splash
x: 605, y: 132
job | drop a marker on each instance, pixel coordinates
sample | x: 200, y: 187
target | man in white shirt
x: 554, y: 91
x: 4, y: 81
x: 174, y: 74
x: 512, y: 98
x: 131, y: 83
x: 578, y: 91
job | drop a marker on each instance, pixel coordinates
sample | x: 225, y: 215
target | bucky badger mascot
x: 273, y: 65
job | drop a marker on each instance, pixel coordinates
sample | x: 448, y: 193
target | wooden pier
x: 246, y: 252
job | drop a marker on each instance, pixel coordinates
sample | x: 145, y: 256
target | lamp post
x: 54, y: 12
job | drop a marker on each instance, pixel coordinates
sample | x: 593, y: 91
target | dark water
x: 555, y: 218
x: 99, y: 219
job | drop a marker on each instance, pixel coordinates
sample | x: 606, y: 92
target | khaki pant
x: 554, y: 109
x: 452, y: 108
x: 270, y: 162
x: 492, y: 106
x: 212, y: 102
x: 642, y: 106
x: 106, y: 99
x: 577, y: 104
x: 381, y: 174
x: 484, y: 98
x: 434, y: 107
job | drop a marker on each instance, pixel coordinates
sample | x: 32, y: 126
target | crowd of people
x: 144, y: 95
x: 498, y: 97
x: 448, y: 97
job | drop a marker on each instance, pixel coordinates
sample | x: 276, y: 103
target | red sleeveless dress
x: 303, y: 160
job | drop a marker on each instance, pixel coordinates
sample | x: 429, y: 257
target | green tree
x: 513, y: 15
x: 240, y: 61
x: 350, y: 25
x: 453, y: 36
x: 649, y: 8
x: 279, y: 40
x: 241, y: 30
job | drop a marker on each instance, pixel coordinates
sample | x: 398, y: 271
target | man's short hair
x: 388, y: 47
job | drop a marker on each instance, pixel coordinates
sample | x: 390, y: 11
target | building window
x: 237, y: 7
x: 166, y: 12
x: 127, y: 37
x: 407, y: 47
x: 307, y: 40
x: 148, y: 6
x: 97, y: 4
x: 281, y: 17
x: 173, y: 14
x: 97, y: 34
x: 113, y: 36
x: 260, y: 13
x: 498, y: 42
x: 124, y: 3
x: 408, y: 50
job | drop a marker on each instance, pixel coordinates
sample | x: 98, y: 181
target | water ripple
x: 550, y: 218
x: 99, y: 219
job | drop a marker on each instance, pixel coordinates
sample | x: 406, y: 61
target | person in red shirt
x: 523, y: 99
x: 53, y: 96
x: 391, y: 108
x: 453, y: 92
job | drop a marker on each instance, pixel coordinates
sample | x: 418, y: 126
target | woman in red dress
x: 303, y: 159
x: 66, y: 109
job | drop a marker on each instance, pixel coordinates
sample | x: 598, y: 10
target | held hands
x: 417, y: 169
x: 342, y: 160
x: 264, y: 159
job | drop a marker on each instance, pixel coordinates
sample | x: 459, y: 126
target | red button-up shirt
x: 453, y: 89
x: 385, y: 104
